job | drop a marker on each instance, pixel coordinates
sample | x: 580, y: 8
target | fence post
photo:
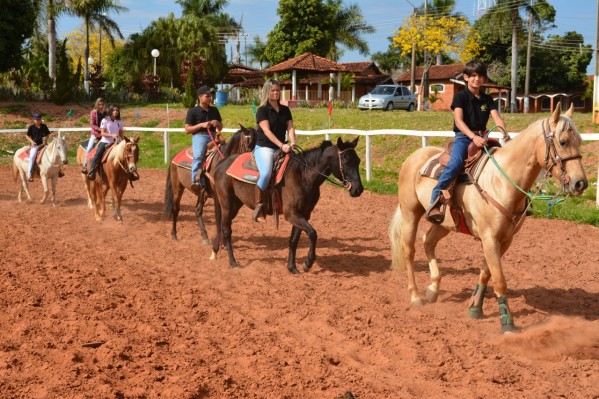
x: 166, y: 147
x: 368, y: 160
x: 424, y: 141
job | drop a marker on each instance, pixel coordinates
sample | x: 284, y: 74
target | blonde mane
x: 118, y: 154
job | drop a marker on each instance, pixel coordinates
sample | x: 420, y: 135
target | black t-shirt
x: 37, y: 134
x: 476, y: 110
x: 198, y: 114
x: 277, y: 121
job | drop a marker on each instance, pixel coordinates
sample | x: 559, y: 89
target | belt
x: 480, y: 133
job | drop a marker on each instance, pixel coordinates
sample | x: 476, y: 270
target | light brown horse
x: 551, y: 143
x: 113, y: 175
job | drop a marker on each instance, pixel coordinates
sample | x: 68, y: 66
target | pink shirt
x: 112, y: 127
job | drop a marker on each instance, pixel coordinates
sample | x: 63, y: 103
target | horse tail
x: 168, y: 197
x: 395, y: 238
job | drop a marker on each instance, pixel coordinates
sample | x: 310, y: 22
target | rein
x: 550, y: 155
x: 215, y: 143
x: 344, y: 184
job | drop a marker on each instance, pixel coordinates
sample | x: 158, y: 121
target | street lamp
x: 155, y: 53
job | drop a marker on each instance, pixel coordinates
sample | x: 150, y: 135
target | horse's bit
x: 552, y: 158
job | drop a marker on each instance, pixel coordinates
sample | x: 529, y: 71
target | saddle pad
x: 432, y: 168
x: 184, y: 158
x: 25, y: 154
x: 243, y: 168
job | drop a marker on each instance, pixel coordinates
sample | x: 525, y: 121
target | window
x: 437, y: 88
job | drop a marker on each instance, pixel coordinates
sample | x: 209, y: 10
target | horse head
x: 131, y: 153
x: 559, y: 151
x: 248, y: 138
x: 61, y: 146
x: 348, y: 168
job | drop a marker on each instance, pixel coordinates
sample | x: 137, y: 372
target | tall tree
x: 508, y: 12
x: 257, y: 52
x: 316, y: 26
x: 96, y: 12
x: 16, y: 25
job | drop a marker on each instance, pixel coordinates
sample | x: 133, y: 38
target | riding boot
x: 260, y: 210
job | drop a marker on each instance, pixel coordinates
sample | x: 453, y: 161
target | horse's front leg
x: 493, y: 252
x: 199, y: 213
x: 116, y: 196
x: 44, y: 179
x: 475, y: 306
x: 53, y: 192
x: 300, y: 223
x: 431, y: 238
x: 293, y: 241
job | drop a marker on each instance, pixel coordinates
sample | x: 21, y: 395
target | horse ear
x: 570, y: 111
x: 339, y: 142
x: 355, y: 141
x: 136, y: 138
x: 557, y: 113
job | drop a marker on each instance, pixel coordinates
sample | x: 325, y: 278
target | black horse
x: 179, y: 178
x: 299, y: 192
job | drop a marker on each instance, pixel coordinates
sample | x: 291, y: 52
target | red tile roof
x: 437, y: 72
x: 307, y: 62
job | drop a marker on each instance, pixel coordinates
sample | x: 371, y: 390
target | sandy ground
x: 119, y: 310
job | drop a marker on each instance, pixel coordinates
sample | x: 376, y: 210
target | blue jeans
x: 455, y: 166
x: 32, y: 156
x: 90, y: 145
x: 199, y: 143
x: 264, y: 160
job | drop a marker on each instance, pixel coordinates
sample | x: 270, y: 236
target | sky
x: 260, y: 17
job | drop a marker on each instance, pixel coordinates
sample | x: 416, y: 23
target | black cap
x: 203, y: 90
x: 37, y: 115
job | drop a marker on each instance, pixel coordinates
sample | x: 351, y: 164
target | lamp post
x: 90, y: 61
x: 104, y: 15
x: 155, y: 53
x: 245, y: 51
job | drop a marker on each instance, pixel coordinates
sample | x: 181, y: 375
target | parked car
x: 388, y: 98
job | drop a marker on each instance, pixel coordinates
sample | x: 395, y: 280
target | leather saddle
x: 25, y: 154
x: 244, y: 168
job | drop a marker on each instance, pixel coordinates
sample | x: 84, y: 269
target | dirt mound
x: 119, y: 310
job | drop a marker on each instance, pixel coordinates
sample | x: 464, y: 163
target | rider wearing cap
x: 36, y: 135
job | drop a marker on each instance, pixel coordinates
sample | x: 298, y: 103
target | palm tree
x: 96, y: 12
x: 509, y: 10
x: 257, y: 51
x: 49, y: 11
x: 347, y: 26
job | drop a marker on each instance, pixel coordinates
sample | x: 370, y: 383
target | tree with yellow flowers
x: 448, y: 35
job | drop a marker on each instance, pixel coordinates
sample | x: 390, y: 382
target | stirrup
x: 436, y: 213
x: 258, y: 215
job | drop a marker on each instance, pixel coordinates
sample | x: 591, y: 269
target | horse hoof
x: 206, y: 241
x: 431, y: 296
x: 416, y: 303
x: 213, y: 256
x: 293, y: 270
x: 306, y: 266
x: 508, y: 329
x: 475, y: 313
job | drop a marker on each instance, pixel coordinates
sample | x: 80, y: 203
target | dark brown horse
x: 114, y: 175
x: 299, y: 192
x: 179, y: 178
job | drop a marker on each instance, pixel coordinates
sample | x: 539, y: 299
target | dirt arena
x: 119, y: 310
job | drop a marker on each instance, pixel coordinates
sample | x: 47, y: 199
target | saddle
x: 92, y: 153
x: 185, y: 157
x: 244, y: 168
x: 473, y: 166
x: 25, y: 154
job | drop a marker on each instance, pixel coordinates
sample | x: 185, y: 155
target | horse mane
x: 310, y: 157
x: 565, y: 123
x: 118, y: 154
x: 235, y: 143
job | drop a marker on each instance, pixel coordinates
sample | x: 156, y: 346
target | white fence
x: 424, y: 135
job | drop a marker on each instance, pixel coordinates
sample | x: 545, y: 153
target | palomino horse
x: 114, y: 175
x: 80, y: 158
x: 493, y: 212
x: 299, y: 193
x: 52, y: 156
x: 179, y: 178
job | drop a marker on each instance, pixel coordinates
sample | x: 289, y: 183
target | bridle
x: 53, y: 157
x: 552, y: 158
x: 344, y: 182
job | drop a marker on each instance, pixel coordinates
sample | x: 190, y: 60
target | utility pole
x: 413, y: 63
x: 528, y: 51
x: 596, y: 77
x: 424, y: 70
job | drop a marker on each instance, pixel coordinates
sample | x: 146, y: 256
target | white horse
x: 54, y: 155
